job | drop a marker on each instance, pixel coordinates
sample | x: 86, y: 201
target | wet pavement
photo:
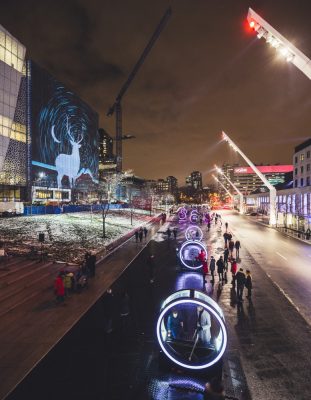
x: 113, y: 354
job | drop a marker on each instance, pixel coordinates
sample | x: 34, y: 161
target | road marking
x: 281, y: 255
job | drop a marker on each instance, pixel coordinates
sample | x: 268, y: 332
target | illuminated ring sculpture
x: 194, y: 216
x: 182, y: 215
x: 198, y: 233
x: 196, y: 298
x: 195, y: 244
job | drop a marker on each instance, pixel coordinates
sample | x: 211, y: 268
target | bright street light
x: 222, y: 185
x: 276, y: 40
x: 271, y: 188
x: 221, y: 172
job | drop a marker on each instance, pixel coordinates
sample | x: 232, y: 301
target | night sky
x: 206, y: 73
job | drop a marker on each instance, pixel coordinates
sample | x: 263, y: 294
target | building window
x: 308, y: 154
x: 296, y: 171
x: 296, y: 160
x: 308, y: 167
x: 302, y: 157
x: 301, y: 170
x: 301, y: 182
x: 308, y: 181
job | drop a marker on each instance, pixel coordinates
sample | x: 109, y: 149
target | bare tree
x: 107, y: 190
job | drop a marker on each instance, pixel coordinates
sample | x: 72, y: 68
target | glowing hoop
x: 188, y: 243
x: 181, y: 297
x: 197, y: 230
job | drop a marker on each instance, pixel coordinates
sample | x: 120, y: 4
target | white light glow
x: 208, y: 309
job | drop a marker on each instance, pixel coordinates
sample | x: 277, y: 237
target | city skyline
x: 185, y: 94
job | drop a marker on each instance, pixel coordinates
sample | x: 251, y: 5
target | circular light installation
x: 188, y: 253
x: 194, y: 233
x: 182, y: 215
x: 191, y: 352
x: 194, y: 216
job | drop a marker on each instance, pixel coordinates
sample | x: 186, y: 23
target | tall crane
x: 116, y: 107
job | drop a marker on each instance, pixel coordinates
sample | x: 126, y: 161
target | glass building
x: 13, y: 136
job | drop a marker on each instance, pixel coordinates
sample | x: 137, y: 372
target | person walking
x: 205, y: 271
x: 249, y: 284
x: 169, y: 233
x: 220, y: 268
x: 145, y: 232
x: 212, y: 266
x: 226, y: 235
x: 136, y: 235
x: 240, y: 282
x: 226, y: 225
x: 208, y: 225
x: 226, y: 257
x: 68, y: 283
x: 175, y: 233
x: 237, y: 246
x: 140, y: 234
x: 59, y: 288
x: 234, y: 268
x: 231, y: 247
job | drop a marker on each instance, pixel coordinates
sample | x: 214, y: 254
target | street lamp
x: 271, y: 188
x: 221, y: 172
x: 279, y: 42
x: 223, y: 186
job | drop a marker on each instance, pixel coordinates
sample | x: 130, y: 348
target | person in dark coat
x: 140, y: 234
x: 240, y: 283
x: 220, y: 268
x: 237, y: 246
x: 168, y: 233
x: 212, y: 266
x: 225, y: 235
x: 249, y: 284
x: 226, y: 256
x: 175, y: 233
x: 92, y: 265
x: 145, y: 232
x: 231, y: 247
x: 136, y: 236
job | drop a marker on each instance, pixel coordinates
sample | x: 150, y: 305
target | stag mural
x: 68, y: 164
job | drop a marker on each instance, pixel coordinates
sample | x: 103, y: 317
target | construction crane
x: 116, y: 107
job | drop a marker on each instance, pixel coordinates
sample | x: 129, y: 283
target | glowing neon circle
x: 181, y: 253
x: 207, y: 306
x: 197, y: 231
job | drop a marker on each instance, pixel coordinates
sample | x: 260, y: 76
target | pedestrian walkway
x: 32, y: 323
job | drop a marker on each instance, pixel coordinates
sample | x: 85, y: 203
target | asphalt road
x: 285, y: 260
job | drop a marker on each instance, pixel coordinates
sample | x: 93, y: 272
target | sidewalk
x: 31, y: 330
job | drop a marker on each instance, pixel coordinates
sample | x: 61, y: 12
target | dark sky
x: 205, y: 74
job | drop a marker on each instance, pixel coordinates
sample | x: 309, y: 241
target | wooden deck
x: 31, y: 321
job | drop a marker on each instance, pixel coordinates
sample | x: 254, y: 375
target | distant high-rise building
x: 196, y: 180
x: 228, y: 171
x: 107, y: 160
x: 172, y: 184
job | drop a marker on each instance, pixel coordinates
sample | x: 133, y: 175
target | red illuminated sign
x: 264, y: 169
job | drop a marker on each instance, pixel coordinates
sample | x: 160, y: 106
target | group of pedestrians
x: 173, y: 231
x: 68, y: 282
x: 140, y: 233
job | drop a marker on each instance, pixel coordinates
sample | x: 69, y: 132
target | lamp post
x: 222, y: 185
x: 275, y: 39
x: 221, y: 172
x: 272, y: 190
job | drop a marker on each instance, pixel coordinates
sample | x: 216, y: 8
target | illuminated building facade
x: 107, y: 160
x: 247, y: 181
x: 13, y: 130
x: 302, y: 164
